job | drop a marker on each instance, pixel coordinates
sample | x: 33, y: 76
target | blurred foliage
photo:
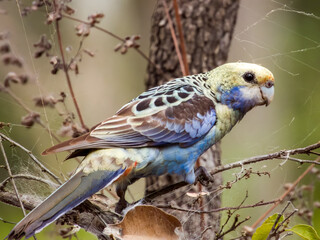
x: 282, y: 35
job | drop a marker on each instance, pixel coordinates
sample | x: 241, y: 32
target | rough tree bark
x: 208, y: 27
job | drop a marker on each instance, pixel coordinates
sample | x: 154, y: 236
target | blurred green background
x: 283, y: 36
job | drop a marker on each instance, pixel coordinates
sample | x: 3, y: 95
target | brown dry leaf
x: 148, y: 222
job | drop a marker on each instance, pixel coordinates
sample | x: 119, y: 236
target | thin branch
x: 10, y: 175
x: 5, y: 221
x: 112, y: 35
x: 32, y: 157
x: 259, y: 204
x: 280, y: 154
x: 77, y: 53
x: 181, y: 36
x: 234, y: 226
x: 254, y: 225
x: 274, y: 226
x: 230, y: 214
x: 287, y: 218
x: 174, y: 38
x: 165, y: 190
x: 204, y: 231
x: 285, y: 154
x: 315, y: 153
x: 65, y: 68
x: 27, y: 177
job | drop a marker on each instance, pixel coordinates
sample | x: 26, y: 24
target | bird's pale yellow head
x: 242, y: 85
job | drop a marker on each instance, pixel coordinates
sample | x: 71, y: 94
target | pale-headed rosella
x: 163, y: 130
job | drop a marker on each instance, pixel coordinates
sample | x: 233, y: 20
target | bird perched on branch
x: 164, y: 130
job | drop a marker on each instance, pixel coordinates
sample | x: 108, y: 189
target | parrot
x: 162, y: 131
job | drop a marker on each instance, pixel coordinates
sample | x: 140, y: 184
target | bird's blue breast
x: 179, y: 160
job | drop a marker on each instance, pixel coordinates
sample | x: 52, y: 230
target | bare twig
x: 274, y: 226
x: 236, y: 219
x: 27, y: 177
x: 285, y: 193
x: 174, y: 38
x: 235, y: 225
x: 287, y: 218
x: 10, y: 175
x: 181, y: 36
x: 112, y: 35
x: 66, y: 71
x: 32, y: 157
x: 5, y: 221
x: 258, y: 204
x: 204, y: 231
x: 285, y: 154
x: 275, y: 232
x: 251, y: 160
x: 77, y: 53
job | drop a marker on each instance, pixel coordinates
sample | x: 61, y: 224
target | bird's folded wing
x: 179, y: 114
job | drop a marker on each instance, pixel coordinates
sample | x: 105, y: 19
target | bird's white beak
x: 267, y: 92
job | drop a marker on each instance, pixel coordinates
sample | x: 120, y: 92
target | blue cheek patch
x: 234, y: 99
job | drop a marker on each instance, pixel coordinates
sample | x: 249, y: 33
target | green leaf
x: 263, y: 231
x: 307, y: 232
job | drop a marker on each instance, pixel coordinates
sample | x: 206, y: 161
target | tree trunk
x: 207, y: 27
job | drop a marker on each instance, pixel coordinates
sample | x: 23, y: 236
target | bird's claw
x: 203, y: 176
x: 122, y: 204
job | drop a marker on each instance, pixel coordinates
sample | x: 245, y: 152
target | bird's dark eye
x: 249, y: 77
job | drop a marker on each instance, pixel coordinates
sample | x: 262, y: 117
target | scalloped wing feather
x: 179, y: 113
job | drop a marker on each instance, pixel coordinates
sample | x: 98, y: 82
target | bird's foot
x: 122, y: 204
x: 203, y: 176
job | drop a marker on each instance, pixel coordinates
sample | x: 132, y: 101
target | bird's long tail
x: 66, y: 197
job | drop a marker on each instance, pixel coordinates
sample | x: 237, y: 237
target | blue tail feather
x: 65, y: 198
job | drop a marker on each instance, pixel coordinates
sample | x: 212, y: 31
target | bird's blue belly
x: 174, y: 159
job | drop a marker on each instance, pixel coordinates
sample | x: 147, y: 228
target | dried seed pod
x: 42, y: 46
x: 10, y: 59
x: 12, y: 77
x: 49, y: 101
x: 30, y: 119
x: 5, y: 48
x: 95, y: 18
x: 83, y: 30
